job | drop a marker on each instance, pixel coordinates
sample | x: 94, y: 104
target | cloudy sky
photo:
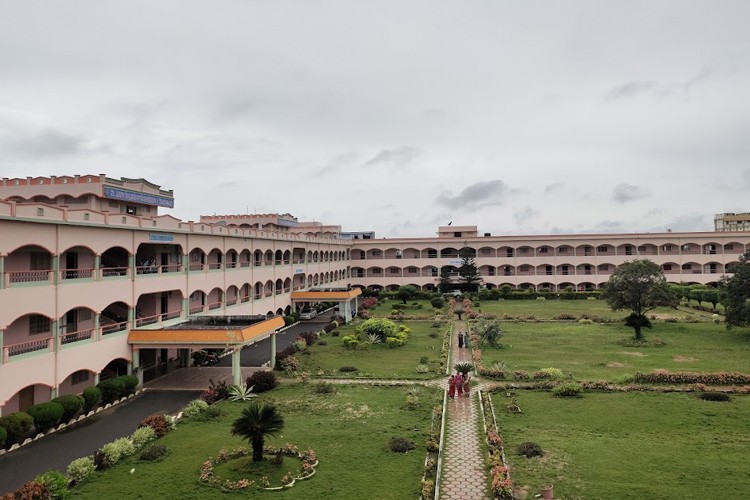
x: 527, y: 117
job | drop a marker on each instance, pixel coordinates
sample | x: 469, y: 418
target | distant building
x: 357, y: 235
x: 732, y: 222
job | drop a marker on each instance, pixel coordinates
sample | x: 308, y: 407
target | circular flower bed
x: 308, y: 458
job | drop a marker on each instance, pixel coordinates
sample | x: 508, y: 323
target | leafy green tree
x: 711, y: 296
x: 638, y: 286
x: 735, y: 293
x: 381, y: 327
x: 255, y: 423
x: 468, y: 271
x: 406, y: 292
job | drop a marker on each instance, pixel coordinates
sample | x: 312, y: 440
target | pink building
x: 85, y: 259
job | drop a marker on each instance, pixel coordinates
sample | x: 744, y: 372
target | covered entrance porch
x: 346, y: 297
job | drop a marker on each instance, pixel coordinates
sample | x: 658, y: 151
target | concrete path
x: 463, y: 473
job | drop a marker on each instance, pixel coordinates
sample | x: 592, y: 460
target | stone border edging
x: 72, y: 421
x: 441, y: 447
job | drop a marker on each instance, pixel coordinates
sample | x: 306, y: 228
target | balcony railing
x: 196, y: 309
x: 30, y: 346
x: 29, y: 276
x: 75, y: 274
x: 69, y: 338
x: 147, y: 320
x: 114, y: 327
x: 111, y: 272
x: 214, y: 305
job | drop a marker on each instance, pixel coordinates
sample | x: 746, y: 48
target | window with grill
x: 39, y: 261
x: 39, y: 324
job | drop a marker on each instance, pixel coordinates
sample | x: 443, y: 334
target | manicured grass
x: 349, y: 431
x: 384, y: 308
x: 378, y: 360
x: 592, y: 351
x: 629, y: 445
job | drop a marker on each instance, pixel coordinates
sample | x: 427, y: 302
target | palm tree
x: 256, y: 422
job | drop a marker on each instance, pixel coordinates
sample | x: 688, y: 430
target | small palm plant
x: 463, y: 367
x: 255, y: 423
x: 241, y: 393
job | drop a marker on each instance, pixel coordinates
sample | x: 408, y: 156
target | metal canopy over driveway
x: 344, y: 296
x: 212, y: 332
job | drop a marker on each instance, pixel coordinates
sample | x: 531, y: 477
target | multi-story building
x: 87, y: 261
x: 732, y: 222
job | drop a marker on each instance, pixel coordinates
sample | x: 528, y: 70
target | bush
x: 289, y: 364
x: 383, y: 328
x: 549, y: 374
x: 91, y: 398
x: 56, y: 483
x: 423, y: 368
x: 113, y: 452
x: 350, y: 341
x: 324, y: 388
x: 262, y: 381
x: 3, y: 436
x: 18, y: 427
x: 71, y: 404
x: 194, y: 408
x: 322, y: 342
x: 112, y: 390
x: 309, y: 337
x: 463, y: 367
x: 565, y: 316
x: 568, y: 390
x: 142, y: 436
x: 154, y: 453
x: 666, y: 377
x: 46, y: 415
x: 345, y: 369
x: 521, y: 375
x: 401, y: 445
x: 289, y: 350
x: 158, y: 422
x: 130, y: 384
x: 330, y: 327
x: 29, y: 491
x: 437, y: 302
x: 715, y: 396
x: 80, y: 468
x: 530, y: 449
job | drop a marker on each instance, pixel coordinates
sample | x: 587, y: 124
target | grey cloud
x: 656, y: 89
x: 624, y: 193
x: 46, y: 143
x: 553, y: 188
x: 697, y: 222
x: 480, y: 194
x: 524, y: 215
x: 397, y: 157
x: 337, y: 163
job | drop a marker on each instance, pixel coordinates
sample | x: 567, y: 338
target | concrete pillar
x: 346, y: 310
x: 96, y: 378
x: 97, y: 265
x: 52, y: 393
x: 236, y: 368
x: 55, y: 335
x: 97, y: 326
x: 185, y: 263
x: 273, y: 350
x: 2, y: 272
x: 136, y: 363
x: 131, y: 265
x: 131, y: 317
x: 55, y: 269
x: 185, y: 308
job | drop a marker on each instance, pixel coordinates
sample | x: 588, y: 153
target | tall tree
x: 638, y: 286
x: 406, y: 292
x: 735, y: 293
x: 468, y: 271
x: 444, y: 283
x: 255, y: 423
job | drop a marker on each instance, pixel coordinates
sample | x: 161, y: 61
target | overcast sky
x: 521, y: 117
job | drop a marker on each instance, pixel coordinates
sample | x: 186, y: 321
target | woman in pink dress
x: 459, y: 384
x: 452, y: 387
x: 466, y: 384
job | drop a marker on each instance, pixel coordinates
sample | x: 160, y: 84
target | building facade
x: 86, y: 259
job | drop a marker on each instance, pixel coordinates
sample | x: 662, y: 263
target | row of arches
x: 565, y: 250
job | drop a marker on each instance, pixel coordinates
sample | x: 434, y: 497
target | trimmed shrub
x: 401, y: 445
x: 29, y: 491
x: 130, y: 384
x: 262, y: 381
x: 46, y: 415
x: 158, y: 422
x: 565, y: 316
x: 289, y: 364
x: 194, y: 407
x: 666, y: 377
x: 715, y: 396
x: 154, y: 453
x: 549, y: 374
x: 81, y: 468
x: 346, y: 369
x: 521, y: 375
x: 330, y: 327
x: 3, y: 436
x: 350, y: 341
x: 18, y: 427
x: 113, y: 452
x: 56, y: 483
x: 568, y: 390
x: 530, y: 449
x: 112, y: 390
x: 324, y: 388
x: 437, y: 302
x: 144, y: 435
x: 309, y: 337
x: 91, y: 398
x: 71, y: 404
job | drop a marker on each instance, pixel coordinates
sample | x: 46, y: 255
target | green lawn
x: 378, y: 360
x: 629, y: 445
x: 349, y: 431
x: 592, y: 352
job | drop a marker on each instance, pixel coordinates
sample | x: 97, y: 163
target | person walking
x: 459, y: 384
x: 460, y: 340
x: 452, y: 382
x: 466, y: 383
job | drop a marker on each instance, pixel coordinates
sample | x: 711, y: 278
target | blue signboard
x: 160, y: 237
x: 141, y: 198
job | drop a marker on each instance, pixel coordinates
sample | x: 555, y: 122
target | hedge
x: 71, y: 404
x: 91, y: 398
x: 46, y: 415
x: 18, y: 427
x: 665, y: 377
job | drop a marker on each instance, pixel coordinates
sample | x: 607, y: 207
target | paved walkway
x: 463, y: 475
